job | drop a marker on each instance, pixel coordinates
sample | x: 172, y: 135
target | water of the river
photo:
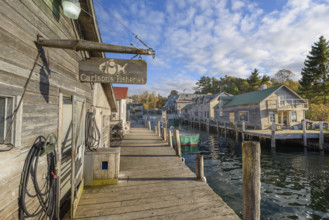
x: 294, y: 183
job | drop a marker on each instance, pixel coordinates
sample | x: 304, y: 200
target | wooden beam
x: 91, y: 46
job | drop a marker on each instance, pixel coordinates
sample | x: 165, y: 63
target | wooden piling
x: 199, y: 168
x: 251, y: 179
x: 273, y: 144
x: 149, y: 124
x: 170, y: 138
x: 236, y: 131
x: 321, y: 137
x: 217, y: 127
x: 159, y: 128
x: 164, y: 134
x: 155, y: 129
x: 225, y: 129
x: 304, y: 133
x: 243, y: 130
x: 177, y: 144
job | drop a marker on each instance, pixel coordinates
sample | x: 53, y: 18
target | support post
x: 199, y: 168
x: 236, y: 131
x: 251, y: 179
x: 164, y: 136
x: 217, y: 127
x: 149, y: 124
x: 225, y: 129
x: 155, y: 129
x: 243, y: 129
x: 170, y: 138
x: 177, y: 144
x: 273, y: 145
x: 321, y: 137
x: 159, y: 128
x: 304, y: 133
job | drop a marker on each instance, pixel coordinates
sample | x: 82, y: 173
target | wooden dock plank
x: 153, y: 184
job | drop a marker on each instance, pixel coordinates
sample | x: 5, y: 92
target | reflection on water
x: 295, y: 184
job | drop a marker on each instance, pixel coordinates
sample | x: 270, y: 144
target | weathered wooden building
x: 259, y: 109
x: 184, y: 100
x: 203, y: 107
x: 55, y: 100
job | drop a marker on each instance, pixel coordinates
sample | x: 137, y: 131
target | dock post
x: 199, y: 168
x: 155, y: 129
x: 217, y: 127
x: 225, y: 128
x: 177, y: 144
x: 162, y: 132
x: 164, y: 136
x: 304, y: 133
x: 170, y: 138
x: 149, y: 124
x: 159, y: 128
x: 273, y: 144
x: 236, y: 131
x: 321, y: 137
x: 251, y: 179
x: 243, y: 130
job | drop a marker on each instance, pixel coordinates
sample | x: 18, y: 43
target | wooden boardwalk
x: 153, y: 184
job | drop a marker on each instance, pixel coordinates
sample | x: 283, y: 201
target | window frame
x: 240, y: 115
x: 269, y: 117
x: 292, y: 120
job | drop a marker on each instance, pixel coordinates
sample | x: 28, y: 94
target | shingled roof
x: 250, y: 97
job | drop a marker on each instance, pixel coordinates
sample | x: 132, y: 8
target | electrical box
x: 102, y: 167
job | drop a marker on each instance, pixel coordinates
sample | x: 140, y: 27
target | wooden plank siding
x: 56, y: 71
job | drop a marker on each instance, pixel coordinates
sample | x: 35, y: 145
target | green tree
x: 285, y: 77
x: 203, y: 85
x: 254, y: 79
x: 315, y: 73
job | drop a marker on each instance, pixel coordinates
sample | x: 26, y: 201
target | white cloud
x: 213, y: 37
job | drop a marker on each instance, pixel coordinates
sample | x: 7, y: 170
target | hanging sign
x: 103, y: 70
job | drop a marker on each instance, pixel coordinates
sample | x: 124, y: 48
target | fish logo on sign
x: 110, y: 67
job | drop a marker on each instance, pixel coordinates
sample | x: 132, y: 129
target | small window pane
x: 294, y: 116
x: 244, y: 116
x: 272, y: 116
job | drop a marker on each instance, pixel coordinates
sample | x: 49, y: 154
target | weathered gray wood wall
x: 56, y: 71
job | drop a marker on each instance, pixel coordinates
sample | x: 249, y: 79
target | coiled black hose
x: 92, y: 134
x: 47, y: 194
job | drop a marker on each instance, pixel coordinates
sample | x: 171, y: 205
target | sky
x: 195, y: 38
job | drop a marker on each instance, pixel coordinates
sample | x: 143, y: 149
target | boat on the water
x: 187, y: 139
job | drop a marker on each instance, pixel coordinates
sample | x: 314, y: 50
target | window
x: 271, y: 116
x: 6, y: 113
x: 282, y: 99
x: 244, y: 116
x: 294, y: 116
x: 220, y: 113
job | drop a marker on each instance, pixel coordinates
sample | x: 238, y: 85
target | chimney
x: 263, y: 87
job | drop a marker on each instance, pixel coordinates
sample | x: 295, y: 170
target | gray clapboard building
x: 259, y: 109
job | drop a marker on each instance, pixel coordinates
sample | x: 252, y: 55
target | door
x: 232, y: 120
x: 66, y: 150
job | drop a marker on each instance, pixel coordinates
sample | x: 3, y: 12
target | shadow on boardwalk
x: 153, y: 184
